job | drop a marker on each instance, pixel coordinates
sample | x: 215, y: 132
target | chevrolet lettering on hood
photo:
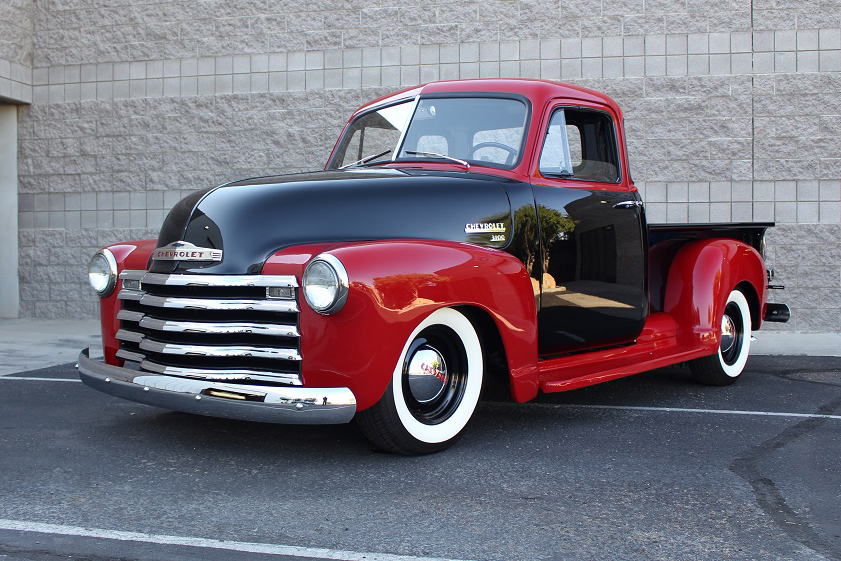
x: 185, y: 251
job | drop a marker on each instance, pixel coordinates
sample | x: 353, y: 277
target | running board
x: 657, y: 346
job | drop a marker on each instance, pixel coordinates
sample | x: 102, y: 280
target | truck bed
x: 665, y: 240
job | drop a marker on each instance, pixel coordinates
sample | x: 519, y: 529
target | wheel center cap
x: 728, y: 331
x: 427, y: 374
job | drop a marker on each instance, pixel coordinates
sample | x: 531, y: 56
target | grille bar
x: 148, y: 322
x: 288, y: 306
x: 221, y: 374
x: 217, y: 350
x: 128, y: 315
x: 128, y: 355
x: 218, y: 280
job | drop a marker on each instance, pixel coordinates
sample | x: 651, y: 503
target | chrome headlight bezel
x: 106, y: 259
x: 339, y: 287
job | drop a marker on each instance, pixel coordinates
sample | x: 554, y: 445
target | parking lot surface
x: 648, y: 467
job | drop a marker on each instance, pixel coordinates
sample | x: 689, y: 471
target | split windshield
x: 483, y: 131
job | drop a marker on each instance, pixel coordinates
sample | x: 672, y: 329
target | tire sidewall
x: 455, y: 423
x: 735, y: 369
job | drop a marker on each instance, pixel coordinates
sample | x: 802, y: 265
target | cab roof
x: 537, y: 91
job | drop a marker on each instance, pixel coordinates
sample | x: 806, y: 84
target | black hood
x: 250, y: 220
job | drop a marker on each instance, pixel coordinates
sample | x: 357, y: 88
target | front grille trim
x: 161, y: 344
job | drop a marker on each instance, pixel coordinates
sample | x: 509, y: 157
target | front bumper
x: 267, y: 404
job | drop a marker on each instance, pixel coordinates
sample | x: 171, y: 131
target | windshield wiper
x: 437, y: 155
x: 366, y: 159
x: 561, y: 175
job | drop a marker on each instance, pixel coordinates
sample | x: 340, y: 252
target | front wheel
x: 725, y: 367
x: 434, y: 389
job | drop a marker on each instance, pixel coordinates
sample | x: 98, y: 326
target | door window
x: 580, y: 144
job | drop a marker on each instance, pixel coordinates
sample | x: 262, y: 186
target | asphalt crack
x: 769, y: 497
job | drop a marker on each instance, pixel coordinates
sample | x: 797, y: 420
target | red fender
x: 132, y: 255
x: 394, y: 285
x: 701, y: 277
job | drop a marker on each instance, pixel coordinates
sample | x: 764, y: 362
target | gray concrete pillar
x: 9, y: 291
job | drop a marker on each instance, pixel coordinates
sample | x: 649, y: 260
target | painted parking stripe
x: 34, y: 379
x: 683, y: 410
x: 581, y: 405
x: 247, y: 547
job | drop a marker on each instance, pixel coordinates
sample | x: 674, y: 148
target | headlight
x: 102, y: 272
x: 325, y: 284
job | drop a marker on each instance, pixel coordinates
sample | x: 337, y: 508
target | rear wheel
x: 434, y: 389
x: 725, y: 367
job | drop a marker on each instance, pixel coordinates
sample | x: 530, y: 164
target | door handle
x: 628, y: 204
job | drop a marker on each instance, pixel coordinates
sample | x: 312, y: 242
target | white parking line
x: 580, y: 405
x: 34, y: 379
x: 684, y: 410
x: 248, y: 547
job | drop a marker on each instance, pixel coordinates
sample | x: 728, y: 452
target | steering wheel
x: 512, y: 152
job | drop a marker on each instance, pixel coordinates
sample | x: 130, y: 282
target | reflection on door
x: 593, y: 289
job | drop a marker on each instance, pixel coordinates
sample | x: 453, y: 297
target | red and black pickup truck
x: 462, y: 233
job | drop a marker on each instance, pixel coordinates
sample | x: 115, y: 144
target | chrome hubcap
x: 728, y: 334
x: 427, y: 374
x: 434, y: 375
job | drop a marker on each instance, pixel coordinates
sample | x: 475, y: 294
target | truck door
x: 591, y: 233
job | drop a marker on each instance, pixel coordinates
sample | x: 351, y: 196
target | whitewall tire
x: 434, y: 389
x: 725, y: 367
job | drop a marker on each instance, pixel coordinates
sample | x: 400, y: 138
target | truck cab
x: 460, y: 231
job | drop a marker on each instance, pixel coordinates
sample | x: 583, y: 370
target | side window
x: 580, y: 144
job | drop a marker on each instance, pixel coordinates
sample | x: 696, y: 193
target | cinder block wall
x: 16, y: 43
x: 733, y: 111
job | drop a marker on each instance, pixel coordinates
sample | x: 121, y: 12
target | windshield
x: 480, y: 130
x: 483, y: 131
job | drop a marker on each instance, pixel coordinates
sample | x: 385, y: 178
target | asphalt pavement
x: 651, y: 467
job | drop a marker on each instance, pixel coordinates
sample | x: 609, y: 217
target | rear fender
x: 701, y: 277
x: 394, y: 285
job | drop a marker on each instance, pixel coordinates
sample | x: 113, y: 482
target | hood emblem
x: 485, y: 228
x: 185, y: 251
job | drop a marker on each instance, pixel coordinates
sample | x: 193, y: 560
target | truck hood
x: 250, y: 220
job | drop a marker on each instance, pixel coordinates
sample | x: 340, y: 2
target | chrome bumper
x: 267, y: 404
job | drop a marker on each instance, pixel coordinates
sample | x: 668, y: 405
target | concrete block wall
x: 733, y: 110
x: 16, y: 43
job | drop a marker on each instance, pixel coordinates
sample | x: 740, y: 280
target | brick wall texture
x: 733, y: 110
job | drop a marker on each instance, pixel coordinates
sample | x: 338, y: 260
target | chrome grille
x: 210, y: 327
